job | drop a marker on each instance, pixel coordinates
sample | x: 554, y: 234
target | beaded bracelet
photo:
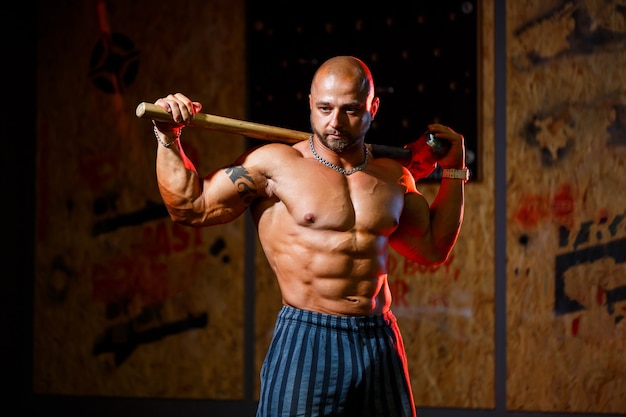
x: 166, y: 144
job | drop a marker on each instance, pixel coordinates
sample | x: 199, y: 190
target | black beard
x: 339, y: 146
x: 336, y: 146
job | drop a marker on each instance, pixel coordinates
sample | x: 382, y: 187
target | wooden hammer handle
x: 255, y: 130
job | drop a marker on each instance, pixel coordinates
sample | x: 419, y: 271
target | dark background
x: 423, y: 56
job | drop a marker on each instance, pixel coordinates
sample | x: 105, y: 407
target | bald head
x: 347, y: 68
x: 342, y: 103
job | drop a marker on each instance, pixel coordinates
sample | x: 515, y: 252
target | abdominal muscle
x: 333, y: 272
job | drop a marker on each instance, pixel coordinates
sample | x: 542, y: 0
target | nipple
x: 309, y: 218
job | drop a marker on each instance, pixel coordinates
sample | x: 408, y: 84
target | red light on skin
x: 399, y: 288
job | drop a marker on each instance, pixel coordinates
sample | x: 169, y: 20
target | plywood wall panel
x: 126, y: 303
x: 566, y: 228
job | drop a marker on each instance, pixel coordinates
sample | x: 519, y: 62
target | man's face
x: 341, y: 112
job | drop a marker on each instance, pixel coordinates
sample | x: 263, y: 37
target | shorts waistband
x: 337, y: 322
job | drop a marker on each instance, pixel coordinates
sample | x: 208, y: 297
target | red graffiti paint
x: 165, y: 238
x: 457, y: 274
x: 563, y: 205
x: 600, y: 295
x: 532, y: 211
x: 575, y: 326
x: 414, y: 268
x: 534, y: 208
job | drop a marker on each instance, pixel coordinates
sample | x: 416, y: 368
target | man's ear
x: 374, y: 107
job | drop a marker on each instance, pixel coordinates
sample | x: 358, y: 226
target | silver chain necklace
x: 335, y: 167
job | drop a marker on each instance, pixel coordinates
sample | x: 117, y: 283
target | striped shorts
x: 325, y: 365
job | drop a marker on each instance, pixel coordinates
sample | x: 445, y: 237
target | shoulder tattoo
x: 243, y: 181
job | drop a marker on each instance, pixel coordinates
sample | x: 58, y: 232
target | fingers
x: 180, y: 107
x: 444, y: 132
x: 455, y: 158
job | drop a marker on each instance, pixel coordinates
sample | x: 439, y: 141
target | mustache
x: 337, y: 133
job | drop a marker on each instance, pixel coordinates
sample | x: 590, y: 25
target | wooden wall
x: 566, y: 210
x: 126, y: 302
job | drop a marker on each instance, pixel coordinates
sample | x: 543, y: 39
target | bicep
x: 413, y: 237
x: 228, y: 192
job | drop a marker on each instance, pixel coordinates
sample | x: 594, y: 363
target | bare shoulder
x: 395, y: 171
x: 265, y: 159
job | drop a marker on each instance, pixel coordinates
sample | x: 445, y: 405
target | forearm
x: 446, y: 211
x: 179, y: 183
x: 446, y: 214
